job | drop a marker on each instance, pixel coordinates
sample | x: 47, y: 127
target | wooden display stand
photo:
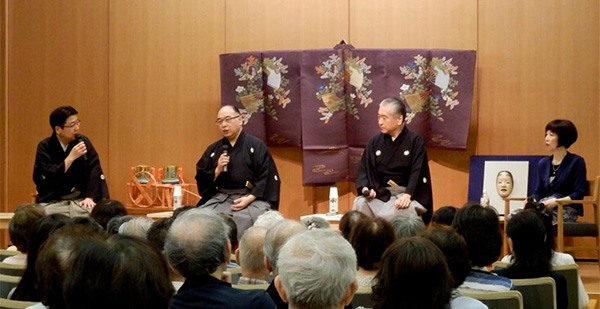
x: 147, y: 194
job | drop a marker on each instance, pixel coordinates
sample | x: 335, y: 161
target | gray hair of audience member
x: 277, y: 236
x: 136, y: 227
x: 251, y: 249
x: 112, y: 227
x: 315, y: 222
x: 407, y: 225
x: 268, y: 219
x: 196, y: 244
x: 316, y: 268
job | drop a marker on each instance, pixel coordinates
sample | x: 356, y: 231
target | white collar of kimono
x: 64, y: 147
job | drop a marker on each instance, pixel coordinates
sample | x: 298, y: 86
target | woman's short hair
x: 527, y: 233
x: 413, y: 274
x: 444, y: 215
x: 121, y: 272
x: 565, y: 129
x: 54, y: 259
x: 480, y: 227
x: 107, y: 209
x: 348, y: 220
x: 21, y: 224
x: 407, y: 225
x: 454, y: 248
x: 42, y: 229
x: 369, y: 238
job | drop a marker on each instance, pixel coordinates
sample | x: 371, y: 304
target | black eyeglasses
x: 225, y: 120
x: 72, y: 124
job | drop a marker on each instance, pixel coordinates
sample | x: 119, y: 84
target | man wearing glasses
x: 237, y: 175
x: 67, y: 171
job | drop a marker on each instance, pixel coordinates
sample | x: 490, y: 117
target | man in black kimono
x: 237, y: 175
x: 67, y: 171
x: 393, y: 176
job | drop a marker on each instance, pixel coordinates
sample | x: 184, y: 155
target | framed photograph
x: 502, y: 176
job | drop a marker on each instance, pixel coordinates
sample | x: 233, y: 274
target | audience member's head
x: 444, y: 216
x: 107, y: 209
x: 268, y: 219
x: 122, y: 272
x: 20, y: 225
x: 454, y: 248
x: 407, y: 225
x: 413, y: 274
x: 136, y: 227
x: 232, y: 230
x: 546, y: 215
x: 276, y: 237
x: 314, y: 222
x: 348, y: 220
x: 480, y: 227
x: 250, y: 254
x: 198, y: 244
x: 526, y: 233
x: 369, y: 238
x: 317, y: 269
x: 113, y: 225
x: 54, y: 258
x: 42, y: 229
x: 158, y: 232
x: 89, y: 223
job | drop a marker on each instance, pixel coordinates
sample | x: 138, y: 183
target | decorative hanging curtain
x: 326, y: 100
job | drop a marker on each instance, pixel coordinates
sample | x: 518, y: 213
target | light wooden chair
x: 7, y: 283
x: 571, y: 274
x: 581, y: 229
x: 12, y: 269
x: 537, y: 292
x: 14, y: 304
x: 498, y: 300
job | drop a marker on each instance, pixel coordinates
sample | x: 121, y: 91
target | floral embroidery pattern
x: 353, y: 71
x: 251, y: 94
x: 438, y: 72
x: 274, y: 70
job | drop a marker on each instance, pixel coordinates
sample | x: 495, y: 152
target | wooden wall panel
x: 424, y: 24
x: 57, y: 55
x: 164, y: 84
x: 3, y: 109
x: 413, y: 24
x: 279, y: 24
x: 538, y: 61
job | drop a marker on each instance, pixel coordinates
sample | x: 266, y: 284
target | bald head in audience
x: 198, y: 246
x: 197, y: 243
x: 250, y: 254
x: 317, y: 269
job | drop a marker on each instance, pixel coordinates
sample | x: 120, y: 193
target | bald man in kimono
x: 393, y: 176
x: 237, y: 175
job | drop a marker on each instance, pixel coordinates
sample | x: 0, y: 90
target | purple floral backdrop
x: 326, y: 100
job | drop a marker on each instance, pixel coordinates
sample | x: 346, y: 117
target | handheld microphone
x: 225, y: 149
x: 366, y: 192
x: 79, y: 140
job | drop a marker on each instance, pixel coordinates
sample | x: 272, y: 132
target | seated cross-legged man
x: 67, y: 172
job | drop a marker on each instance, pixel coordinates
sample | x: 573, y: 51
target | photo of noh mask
x: 504, y: 183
